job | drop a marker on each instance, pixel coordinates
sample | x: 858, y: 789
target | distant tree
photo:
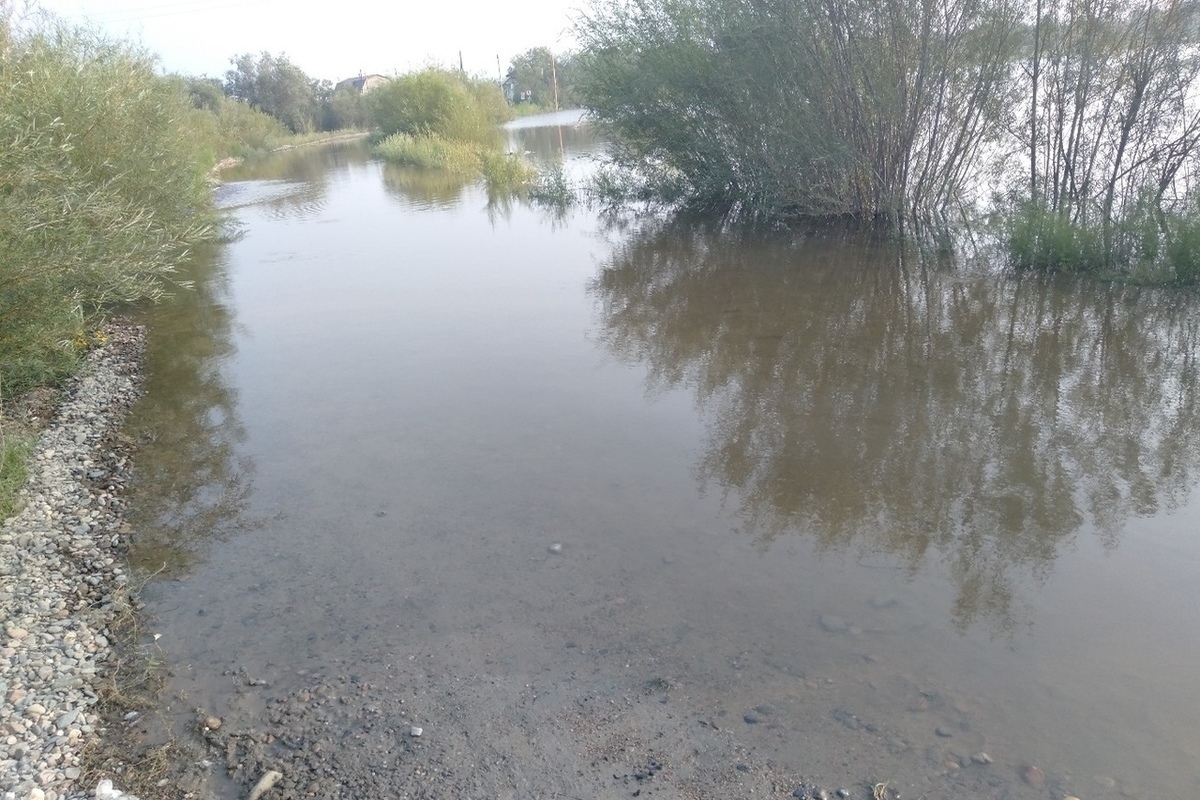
x: 533, y: 75
x: 348, y: 109
x: 275, y: 85
x: 205, y: 93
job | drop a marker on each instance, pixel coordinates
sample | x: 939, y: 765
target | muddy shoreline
x: 104, y: 711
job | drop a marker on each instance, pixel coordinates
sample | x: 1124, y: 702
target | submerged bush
x: 801, y: 107
x: 438, y: 103
x: 506, y: 171
x: 1040, y: 238
x: 430, y: 152
x: 102, y: 191
x: 1144, y: 245
x: 501, y: 171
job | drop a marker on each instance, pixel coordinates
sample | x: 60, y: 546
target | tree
x: 540, y: 77
x: 348, y: 109
x: 274, y: 85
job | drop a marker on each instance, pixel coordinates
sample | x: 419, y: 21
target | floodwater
x: 870, y: 511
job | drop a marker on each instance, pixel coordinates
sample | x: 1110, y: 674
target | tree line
x: 273, y: 84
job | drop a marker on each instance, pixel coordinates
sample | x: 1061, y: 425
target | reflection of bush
x: 868, y: 402
x: 424, y: 188
x: 192, y: 484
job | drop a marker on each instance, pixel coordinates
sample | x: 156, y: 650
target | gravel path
x: 62, y: 578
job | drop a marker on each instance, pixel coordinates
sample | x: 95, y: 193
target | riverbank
x: 214, y: 175
x: 66, y: 585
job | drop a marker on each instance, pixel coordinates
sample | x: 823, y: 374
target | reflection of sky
x: 564, y: 137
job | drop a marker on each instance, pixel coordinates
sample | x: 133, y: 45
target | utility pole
x: 554, y: 78
x: 499, y: 72
x: 460, y: 64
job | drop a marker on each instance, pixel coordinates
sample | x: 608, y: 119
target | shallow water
x: 873, y: 494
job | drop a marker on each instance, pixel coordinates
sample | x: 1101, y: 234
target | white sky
x: 331, y: 40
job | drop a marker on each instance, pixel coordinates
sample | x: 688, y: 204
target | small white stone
x: 415, y: 731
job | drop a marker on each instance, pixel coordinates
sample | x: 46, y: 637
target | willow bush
x: 809, y: 107
x: 102, y: 191
x: 1110, y: 138
x: 437, y: 102
x: 1080, y: 117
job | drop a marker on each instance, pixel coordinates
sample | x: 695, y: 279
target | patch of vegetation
x: 898, y: 113
x: 431, y: 152
x: 439, y: 103
x: 102, y: 191
x: 1145, y: 245
x: 506, y: 171
x: 437, y: 120
x: 15, y: 447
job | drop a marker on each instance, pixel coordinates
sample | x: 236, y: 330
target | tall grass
x: 431, y: 152
x: 102, y: 191
x: 506, y: 171
x: 1143, y: 245
x: 15, y: 447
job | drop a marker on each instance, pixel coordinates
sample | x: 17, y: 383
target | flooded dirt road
x: 658, y: 508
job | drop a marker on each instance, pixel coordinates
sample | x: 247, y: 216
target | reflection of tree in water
x: 191, y: 484
x: 425, y: 188
x: 899, y: 411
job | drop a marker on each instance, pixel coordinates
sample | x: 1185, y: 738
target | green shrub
x: 1039, y: 238
x: 432, y: 103
x: 102, y: 190
x: 1183, y: 248
x: 506, y: 171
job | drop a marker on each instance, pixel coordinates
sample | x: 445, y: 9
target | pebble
x: 212, y: 723
x: 60, y: 560
x: 556, y: 548
x: 981, y: 758
x: 834, y: 624
x: 943, y: 731
x: 416, y: 731
x: 1033, y: 776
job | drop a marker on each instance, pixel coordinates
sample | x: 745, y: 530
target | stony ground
x: 64, y: 580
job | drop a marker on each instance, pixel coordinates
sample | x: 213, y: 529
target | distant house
x: 363, y: 83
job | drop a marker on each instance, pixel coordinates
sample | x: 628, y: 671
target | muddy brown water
x: 862, y: 513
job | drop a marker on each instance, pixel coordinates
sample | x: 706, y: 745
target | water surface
x: 876, y: 494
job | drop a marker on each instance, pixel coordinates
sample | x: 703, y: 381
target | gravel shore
x: 62, y: 564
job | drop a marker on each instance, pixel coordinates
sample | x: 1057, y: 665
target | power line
x: 133, y: 14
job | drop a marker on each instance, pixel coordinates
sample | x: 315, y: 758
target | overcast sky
x: 331, y: 40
